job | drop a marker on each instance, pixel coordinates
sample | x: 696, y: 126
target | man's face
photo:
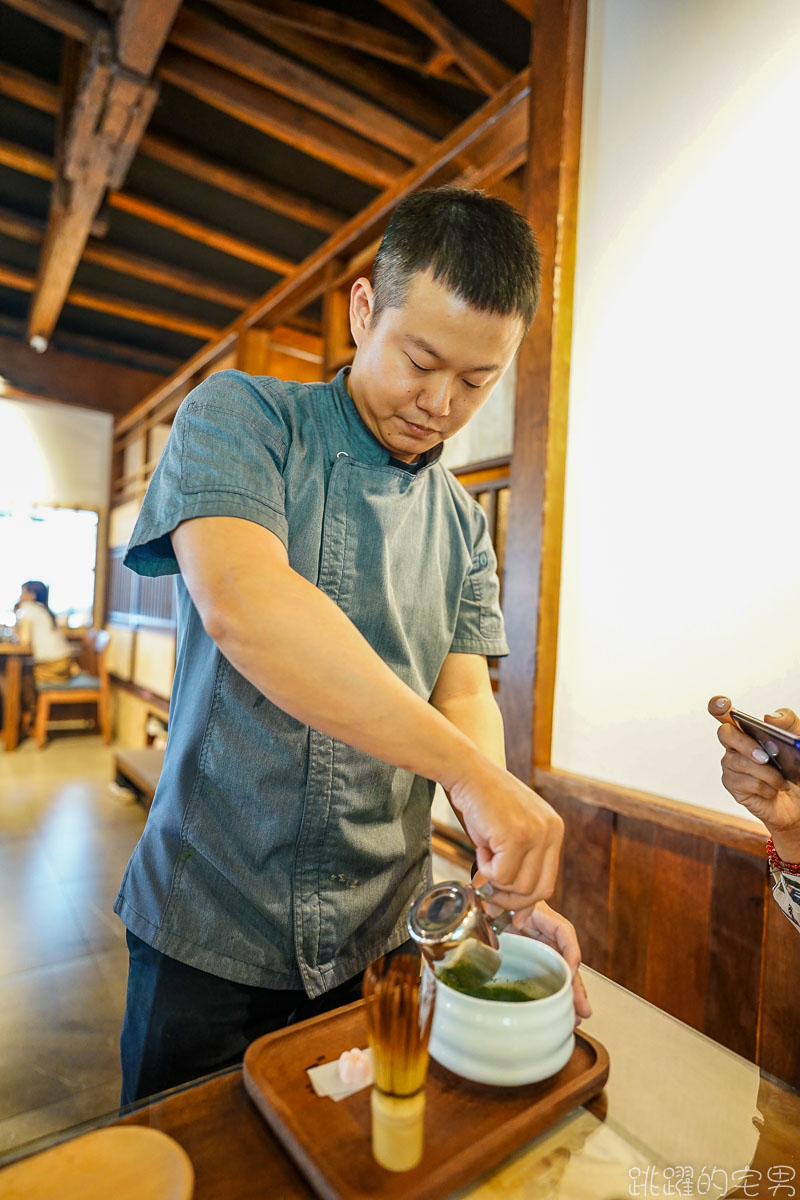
x: 425, y: 368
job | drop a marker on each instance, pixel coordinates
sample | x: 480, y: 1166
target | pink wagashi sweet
x: 355, y: 1067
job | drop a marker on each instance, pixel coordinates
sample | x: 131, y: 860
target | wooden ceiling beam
x: 293, y: 293
x: 39, y: 94
x: 212, y: 41
x: 361, y: 72
x: 143, y: 314
x: 137, y: 265
x: 523, y: 7
x: 28, y: 162
x: 24, y: 229
x: 32, y: 163
x: 322, y: 23
x: 174, y: 278
x: 20, y: 281
x: 28, y: 89
x: 73, y: 20
x: 97, y: 348
x: 142, y: 29
x: 281, y: 119
x: 188, y: 227
x: 239, y: 183
x: 487, y: 72
x: 335, y: 27
x: 106, y: 104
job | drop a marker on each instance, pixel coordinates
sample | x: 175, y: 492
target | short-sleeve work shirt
x: 273, y: 854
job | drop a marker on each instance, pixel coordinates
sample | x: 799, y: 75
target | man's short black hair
x: 477, y: 246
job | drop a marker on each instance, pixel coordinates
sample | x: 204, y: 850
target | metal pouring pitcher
x: 452, y: 928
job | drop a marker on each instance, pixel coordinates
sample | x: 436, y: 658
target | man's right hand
x: 517, y: 835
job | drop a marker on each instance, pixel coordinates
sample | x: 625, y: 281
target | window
x: 56, y: 545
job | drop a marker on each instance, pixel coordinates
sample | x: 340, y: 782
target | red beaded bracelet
x: 777, y: 862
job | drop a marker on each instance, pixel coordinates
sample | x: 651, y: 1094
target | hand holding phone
x: 782, y: 745
x: 761, y: 770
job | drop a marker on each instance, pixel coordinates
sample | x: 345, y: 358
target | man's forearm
x: 301, y: 651
x: 310, y: 660
x: 479, y: 719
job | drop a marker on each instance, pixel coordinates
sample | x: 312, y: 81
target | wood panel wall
x: 674, y: 903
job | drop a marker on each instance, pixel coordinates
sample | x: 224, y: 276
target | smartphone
x: 782, y: 747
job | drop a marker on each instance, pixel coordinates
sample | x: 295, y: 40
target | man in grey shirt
x: 337, y: 600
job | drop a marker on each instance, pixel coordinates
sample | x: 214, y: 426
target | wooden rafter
x: 329, y: 26
x: 106, y: 102
x: 217, y: 239
x: 143, y: 314
x: 73, y: 20
x: 28, y: 89
x: 93, y: 347
x: 175, y: 278
x: 360, y: 71
x: 239, y: 183
x: 40, y: 94
x: 282, y: 119
x: 142, y: 29
x: 212, y: 41
x: 125, y: 262
x: 482, y: 67
x: 14, y: 225
x: 29, y: 162
x: 307, y: 280
x: 523, y: 7
x: 156, y: 214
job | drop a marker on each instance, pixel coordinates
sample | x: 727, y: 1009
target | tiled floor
x: 64, y: 841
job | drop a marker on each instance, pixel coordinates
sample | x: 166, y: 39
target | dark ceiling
x: 202, y: 164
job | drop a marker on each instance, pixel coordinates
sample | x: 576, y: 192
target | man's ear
x: 362, y: 299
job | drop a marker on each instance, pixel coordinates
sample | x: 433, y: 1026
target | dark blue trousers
x: 181, y: 1023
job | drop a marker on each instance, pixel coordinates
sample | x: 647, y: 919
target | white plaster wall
x: 681, y: 576
x: 54, y: 454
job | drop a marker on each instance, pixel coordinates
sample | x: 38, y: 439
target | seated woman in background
x: 749, y: 776
x: 52, y: 656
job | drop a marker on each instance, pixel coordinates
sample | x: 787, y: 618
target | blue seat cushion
x: 77, y: 681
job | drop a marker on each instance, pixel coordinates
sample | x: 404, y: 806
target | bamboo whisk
x: 399, y: 1016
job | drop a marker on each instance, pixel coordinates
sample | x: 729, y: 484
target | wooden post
x: 533, y: 554
x: 338, y: 348
x: 253, y: 351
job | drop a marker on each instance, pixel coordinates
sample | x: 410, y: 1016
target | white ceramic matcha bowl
x: 504, y: 1042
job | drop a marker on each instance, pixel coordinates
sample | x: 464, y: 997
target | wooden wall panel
x: 584, y: 881
x: 738, y: 903
x: 677, y: 943
x: 779, y: 1050
x: 631, y: 903
x: 676, y: 907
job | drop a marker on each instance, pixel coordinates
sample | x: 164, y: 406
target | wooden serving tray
x: 469, y: 1127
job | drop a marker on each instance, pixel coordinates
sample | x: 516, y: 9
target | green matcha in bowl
x: 516, y: 1029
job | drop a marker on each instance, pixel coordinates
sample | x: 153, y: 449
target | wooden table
x: 676, y: 1104
x: 13, y: 655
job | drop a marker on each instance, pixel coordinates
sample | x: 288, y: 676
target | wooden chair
x: 85, y: 688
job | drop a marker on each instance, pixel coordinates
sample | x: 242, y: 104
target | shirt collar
x: 359, y: 437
